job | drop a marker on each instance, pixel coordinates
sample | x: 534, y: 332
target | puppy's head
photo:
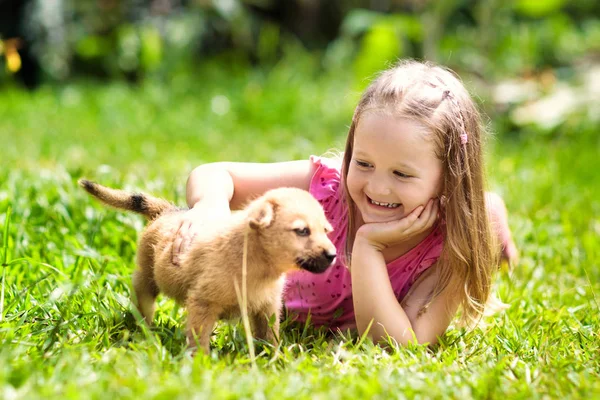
x: 293, y: 229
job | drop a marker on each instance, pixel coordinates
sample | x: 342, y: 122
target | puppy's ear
x: 261, y: 216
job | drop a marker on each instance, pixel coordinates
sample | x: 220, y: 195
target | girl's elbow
x: 403, y: 336
x: 377, y: 332
x: 202, y: 169
x: 403, y: 340
x: 369, y: 326
x: 211, y: 179
x: 427, y: 337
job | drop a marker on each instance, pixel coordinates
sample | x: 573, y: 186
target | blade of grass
x: 243, y: 301
x: 4, y: 261
x: 587, y: 276
x: 5, y: 238
x: 363, y: 337
x: 2, y: 293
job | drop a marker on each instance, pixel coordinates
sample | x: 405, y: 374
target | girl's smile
x: 382, y: 204
x: 386, y: 210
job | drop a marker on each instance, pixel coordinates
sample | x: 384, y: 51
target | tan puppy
x: 286, y: 230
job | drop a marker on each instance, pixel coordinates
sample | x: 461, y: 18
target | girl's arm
x: 236, y: 183
x: 213, y: 190
x: 374, y: 300
x: 372, y: 293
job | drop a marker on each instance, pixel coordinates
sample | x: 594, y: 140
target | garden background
x: 137, y: 93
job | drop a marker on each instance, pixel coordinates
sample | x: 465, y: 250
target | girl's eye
x: 302, y: 231
x: 401, y: 175
x: 362, y: 164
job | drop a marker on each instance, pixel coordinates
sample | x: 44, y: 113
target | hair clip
x: 447, y: 94
x: 464, y: 138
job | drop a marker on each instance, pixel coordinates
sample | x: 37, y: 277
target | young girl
x: 407, y: 204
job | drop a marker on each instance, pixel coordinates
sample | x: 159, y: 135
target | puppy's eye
x: 302, y: 231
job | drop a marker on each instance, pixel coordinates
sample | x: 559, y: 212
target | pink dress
x: 327, y: 297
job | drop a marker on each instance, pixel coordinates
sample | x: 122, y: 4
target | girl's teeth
x: 388, y: 205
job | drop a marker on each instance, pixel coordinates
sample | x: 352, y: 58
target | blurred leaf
x: 538, y: 8
x: 591, y: 34
x: 92, y: 46
x: 380, y: 46
x: 359, y: 21
x: 129, y: 47
x: 339, y: 53
x: 152, y: 48
x: 268, y: 42
x: 409, y: 25
x: 228, y: 9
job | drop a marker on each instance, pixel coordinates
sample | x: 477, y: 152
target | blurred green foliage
x: 265, y: 80
x: 516, y: 55
x: 136, y: 38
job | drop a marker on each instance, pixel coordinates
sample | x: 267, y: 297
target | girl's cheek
x: 351, y: 178
x: 354, y: 185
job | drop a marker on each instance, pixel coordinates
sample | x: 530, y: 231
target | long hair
x: 434, y: 97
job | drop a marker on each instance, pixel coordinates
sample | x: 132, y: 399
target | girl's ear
x: 261, y: 216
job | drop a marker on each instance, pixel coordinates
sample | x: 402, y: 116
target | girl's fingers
x: 408, y: 224
x: 427, y: 217
x: 176, y: 247
x: 187, y: 229
x: 187, y: 237
x: 415, y: 214
x: 431, y: 211
x: 177, y: 241
x: 419, y: 222
x: 434, y: 213
x: 180, y: 242
x: 432, y: 217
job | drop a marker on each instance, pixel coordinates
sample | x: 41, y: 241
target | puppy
x: 284, y: 229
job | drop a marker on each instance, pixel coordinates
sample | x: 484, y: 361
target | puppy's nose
x: 329, y: 256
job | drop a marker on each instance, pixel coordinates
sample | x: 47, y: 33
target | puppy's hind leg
x: 146, y: 291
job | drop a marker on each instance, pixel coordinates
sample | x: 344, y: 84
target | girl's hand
x: 192, y: 222
x: 385, y: 234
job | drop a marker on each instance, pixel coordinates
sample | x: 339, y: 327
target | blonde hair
x: 434, y: 97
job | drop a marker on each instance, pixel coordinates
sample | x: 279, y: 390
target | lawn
x: 65, y: 322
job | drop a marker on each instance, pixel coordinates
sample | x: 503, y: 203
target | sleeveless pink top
x: 327, y: 297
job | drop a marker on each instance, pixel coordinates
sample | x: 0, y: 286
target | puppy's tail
x: 149, y: 206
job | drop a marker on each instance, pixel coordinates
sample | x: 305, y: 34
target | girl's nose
x: 378, y: 187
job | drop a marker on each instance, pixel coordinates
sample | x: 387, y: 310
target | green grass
x: 66, y: 326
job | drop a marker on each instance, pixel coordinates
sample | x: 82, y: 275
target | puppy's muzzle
x: 317, y: 264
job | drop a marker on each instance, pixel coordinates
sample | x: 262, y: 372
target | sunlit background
x: 178, y: 77
x: 136, y: 93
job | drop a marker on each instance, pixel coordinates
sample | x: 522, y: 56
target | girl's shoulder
x: 325, y: 186
x: 326, y: 178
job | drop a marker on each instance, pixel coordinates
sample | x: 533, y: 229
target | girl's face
x: 393, y: 168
